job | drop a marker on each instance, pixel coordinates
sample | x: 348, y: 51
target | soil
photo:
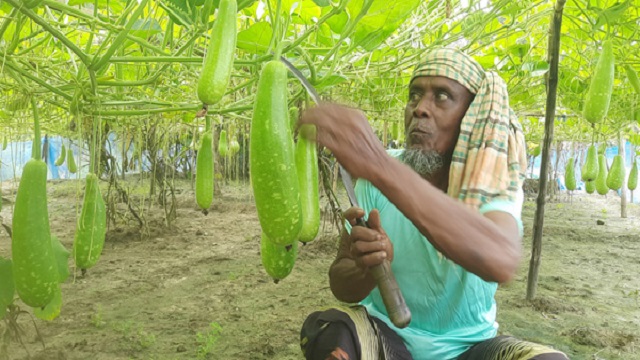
x: 197, y: 289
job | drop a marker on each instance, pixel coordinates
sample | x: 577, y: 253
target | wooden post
x: 623, y: 190
x: 550, y: 112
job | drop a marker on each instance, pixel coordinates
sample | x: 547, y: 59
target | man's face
x: 434, y: 113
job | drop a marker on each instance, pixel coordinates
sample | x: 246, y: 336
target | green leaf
x: 256, y: 38
x: 338, y: 21
x: 382, y: 19
x: 611, y: 15
x: 538, y: 68
x: 331, y: 80
x: 62, y: 256
x: 114, y: 6
x: 52, y: 309
x: 322, y: 3
x: 145, y: 28
x: 182, y: 12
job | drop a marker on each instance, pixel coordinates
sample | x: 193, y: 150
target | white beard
x: 424, y: 162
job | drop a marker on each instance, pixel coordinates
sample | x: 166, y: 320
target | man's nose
x: 422, y: 109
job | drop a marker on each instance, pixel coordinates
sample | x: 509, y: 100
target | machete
x: 387, y: 285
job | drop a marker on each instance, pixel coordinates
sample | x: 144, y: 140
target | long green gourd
x: 632, y: 75
x: 277, y: 260
x: 34, y: 268
x: 92, y: 225
x: 71, y: 162
x: 632, y: 183
x: 596, y: 104
x: 204, y: 169
x: 307, y: 167
x: 223, y: 148
x: 218, y: 61
x: 272, y: 161
x: 601, y: 179
x: 616, y: 175
x: 62, y: 156
x: 589, y: 171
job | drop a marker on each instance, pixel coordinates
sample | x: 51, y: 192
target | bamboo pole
x: 550, y: 112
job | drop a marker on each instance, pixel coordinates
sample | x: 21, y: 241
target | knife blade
x: 303, y: 80
x: 392, y: 298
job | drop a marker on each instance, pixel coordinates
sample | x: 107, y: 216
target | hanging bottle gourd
x: 596, y: 104
x: 307, y: 167
x: 223, y: 149
x: 92, y: 224
x: 274, y: 179
x: 218, y: 62
x: 62, y: 156
x: 71, y: 162
x: 34, y: 268
x: 204, y: 169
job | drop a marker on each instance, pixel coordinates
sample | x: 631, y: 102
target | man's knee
x: 324, y: 337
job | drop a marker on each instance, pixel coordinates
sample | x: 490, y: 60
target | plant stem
x: 55, y: 32
x: 36, y: 151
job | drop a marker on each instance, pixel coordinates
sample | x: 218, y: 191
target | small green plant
x: 96, y: 319
x: 207, y: 340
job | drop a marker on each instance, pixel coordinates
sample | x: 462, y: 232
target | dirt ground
x: 198, y: 290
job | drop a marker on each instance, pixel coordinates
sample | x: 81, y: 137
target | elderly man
x: 445, y: 211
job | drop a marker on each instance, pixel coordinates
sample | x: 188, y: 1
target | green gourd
x: 601, y: 180
x: 234, y: 146
x: 277, y: 260
x: 632, y: 183
x: 569, y: 175
x: 7, y: 288
x: 633, y: 78
x: 294, y: 114
x: 34, y: 268
x: 590, y: 167
x: 616, y: 175
x: 71, y: 162
x: 590, y: 186
x: 204, y: 170
x: 5, y: 143
x: 92, y: 225
x: 218, y: 61
x: 274, y: 179
x: 223, y: 148
x: 307, y: 167
x: 596, y: 104
x: 62, y: 156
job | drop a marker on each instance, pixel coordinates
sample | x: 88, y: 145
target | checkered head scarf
x: 489, y: 159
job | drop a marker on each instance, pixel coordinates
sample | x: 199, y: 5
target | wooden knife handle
x: 391, y: 296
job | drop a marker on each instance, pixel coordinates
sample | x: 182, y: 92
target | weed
x: 207, y: 340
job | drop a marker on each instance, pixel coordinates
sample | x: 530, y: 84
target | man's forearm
x: 463, y: 235
x: 349, y: 283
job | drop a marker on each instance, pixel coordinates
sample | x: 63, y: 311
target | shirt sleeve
x: 511, y: 207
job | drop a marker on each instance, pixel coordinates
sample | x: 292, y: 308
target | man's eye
x: 414, y: 96
x: 441, y: 96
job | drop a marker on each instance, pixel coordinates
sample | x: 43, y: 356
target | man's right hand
x: 369, y: 246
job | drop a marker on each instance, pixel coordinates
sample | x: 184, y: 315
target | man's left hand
x: 347, y: 133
